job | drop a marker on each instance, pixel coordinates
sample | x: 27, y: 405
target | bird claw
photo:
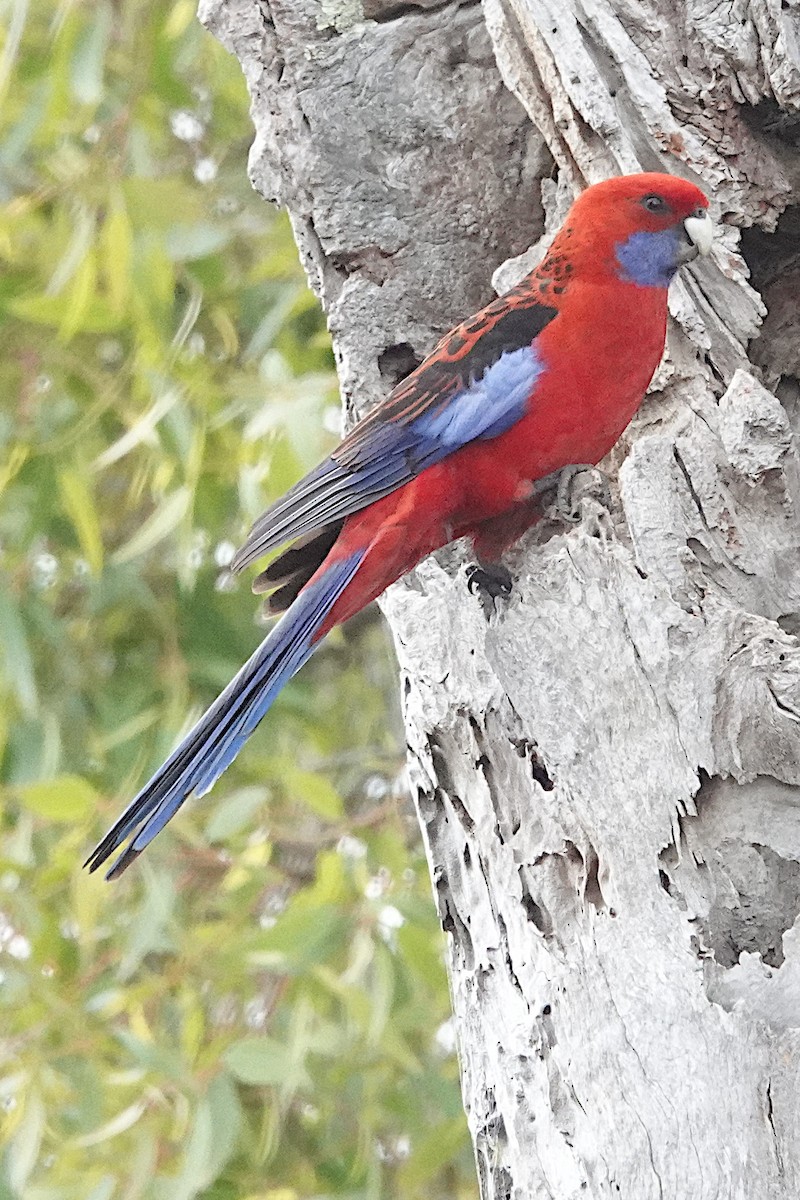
x: 488, y: 581
x: 574, y: 484
x: 494, y: 579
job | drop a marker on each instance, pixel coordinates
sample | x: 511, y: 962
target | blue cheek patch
x: 649, y: 259
x: 486, y: 408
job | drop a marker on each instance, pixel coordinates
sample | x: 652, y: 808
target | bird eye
x: 655, y: 204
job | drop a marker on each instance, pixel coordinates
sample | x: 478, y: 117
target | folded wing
x: 476, y: 384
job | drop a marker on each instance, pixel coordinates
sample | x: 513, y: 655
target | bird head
x: 641, y: 228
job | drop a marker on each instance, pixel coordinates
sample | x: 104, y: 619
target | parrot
x: 545, y: 377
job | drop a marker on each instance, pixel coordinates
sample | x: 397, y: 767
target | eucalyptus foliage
x: 258, y: 1009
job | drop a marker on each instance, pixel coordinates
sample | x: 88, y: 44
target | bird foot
x: 488, y: 581
x: 573, y: 485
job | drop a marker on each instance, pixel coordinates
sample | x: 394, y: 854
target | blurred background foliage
x: 258, y: 1009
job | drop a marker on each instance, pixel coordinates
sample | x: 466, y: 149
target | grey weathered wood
x: 608, y: 771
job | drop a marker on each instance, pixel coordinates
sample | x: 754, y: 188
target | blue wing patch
x: 486, y: 408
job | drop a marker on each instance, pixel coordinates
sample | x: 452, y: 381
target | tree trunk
x: 606, y: 770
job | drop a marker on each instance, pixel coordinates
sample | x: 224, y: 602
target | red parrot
x: 544, y: 377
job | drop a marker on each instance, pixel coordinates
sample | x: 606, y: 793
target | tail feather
x: 288, y: 574
x: 211, y: 746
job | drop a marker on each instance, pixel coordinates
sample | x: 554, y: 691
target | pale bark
x: 608, y: 771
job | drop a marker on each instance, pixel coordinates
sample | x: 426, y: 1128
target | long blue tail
x: 211, y: 746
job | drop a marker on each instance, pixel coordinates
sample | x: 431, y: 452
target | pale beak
x: 700, y: 231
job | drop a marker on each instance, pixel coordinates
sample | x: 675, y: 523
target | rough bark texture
x: 608, y: 769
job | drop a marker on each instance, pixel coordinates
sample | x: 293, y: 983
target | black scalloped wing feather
x: 385, y: 451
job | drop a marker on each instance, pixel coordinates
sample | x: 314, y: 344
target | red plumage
x: 601, y: 350
x: 544, y: 377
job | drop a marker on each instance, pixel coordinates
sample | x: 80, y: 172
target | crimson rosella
x: 546, y: 376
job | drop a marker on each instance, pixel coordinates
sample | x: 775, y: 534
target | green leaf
x: 423, y: 953
x: 187, y: 242
x: 160, y: 525
x: 95, y: 314
x: 24, y: 1150
x: 153, y: 204
x: 104, y: 1190
x: 432, y: 1153
x: 80, y: 507
x: 150, y: 932
x: 162, y: 1059
x: 140, y: 431
x: 259, y: 1061
x: 116, y: 245
x: 118, y: 1124
x: 381, y: 993
x: 315, y: 790
x: 226, y: 1122
x: 301, y: 938
x: 17, y: 655
x: 80, y: 298
x: 235, y: 812
x: 196, y: 1172
x: 89, y: 59
x: 66, y: 798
